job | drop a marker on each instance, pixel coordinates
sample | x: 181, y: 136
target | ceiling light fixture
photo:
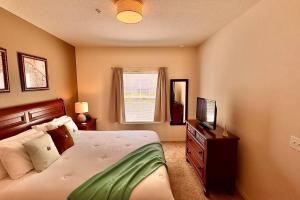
x: 129, y: 11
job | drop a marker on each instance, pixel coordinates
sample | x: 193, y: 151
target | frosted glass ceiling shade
x: 81, y: 107
x: 129, y: 11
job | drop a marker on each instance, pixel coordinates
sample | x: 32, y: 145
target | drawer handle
x: 200, y: 152
x: 200, y: 168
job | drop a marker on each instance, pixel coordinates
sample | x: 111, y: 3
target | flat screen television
x: 206, y: 113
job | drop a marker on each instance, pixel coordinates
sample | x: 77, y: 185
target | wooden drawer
x: 195, y: 149
x: 191, y: 129
x: 201, y: 172
x: 200, y: 168
x: 199, y: 154
x: 199, y: 137
x: 196, y: 140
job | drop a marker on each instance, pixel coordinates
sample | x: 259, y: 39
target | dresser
x: 213, y: 157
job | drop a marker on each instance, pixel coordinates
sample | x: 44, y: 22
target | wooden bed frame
x: 16, y: 119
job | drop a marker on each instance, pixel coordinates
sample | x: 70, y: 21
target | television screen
x: 206, y: 113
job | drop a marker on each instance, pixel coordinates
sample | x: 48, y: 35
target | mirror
x: 179, y: 101
x: 4, y: 83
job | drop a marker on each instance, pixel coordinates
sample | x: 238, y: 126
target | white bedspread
x: 95, y: 151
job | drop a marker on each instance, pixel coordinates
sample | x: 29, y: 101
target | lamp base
x: 81, y: 117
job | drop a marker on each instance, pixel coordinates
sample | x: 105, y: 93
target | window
x: 139, y: 96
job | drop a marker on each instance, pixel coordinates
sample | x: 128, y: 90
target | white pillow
x: 73, y: 130
x: 42, y: 152
x: 20, y: 136
x: 71, y: 125
x: 48, y: 126
x: 14, y: 158
x: 3, y: 172
x: 61, y: 120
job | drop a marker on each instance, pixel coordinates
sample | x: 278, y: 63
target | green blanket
x: 118, y: 181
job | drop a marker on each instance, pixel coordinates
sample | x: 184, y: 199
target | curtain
x: 161, y: 112
x: 117, y: 98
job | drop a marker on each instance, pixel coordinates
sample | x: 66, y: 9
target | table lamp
x: 80, y: 109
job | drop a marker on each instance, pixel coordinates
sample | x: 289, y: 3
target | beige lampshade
x: 81, y: 107
x: 129, y: 11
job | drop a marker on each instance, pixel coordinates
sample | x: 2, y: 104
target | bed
x: 94, y: 152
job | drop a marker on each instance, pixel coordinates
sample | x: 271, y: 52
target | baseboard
x: 173, y: 139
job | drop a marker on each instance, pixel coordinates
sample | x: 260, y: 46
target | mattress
x: 94, y: 152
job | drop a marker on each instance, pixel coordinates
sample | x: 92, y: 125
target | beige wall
x: 94, y: 80
x: 17, y: 35
x: 252, y: 69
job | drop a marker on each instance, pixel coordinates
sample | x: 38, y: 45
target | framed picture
x: 33, y: 72
x: 4, y: 81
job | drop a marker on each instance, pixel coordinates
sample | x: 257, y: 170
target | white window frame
x: 139, y: 72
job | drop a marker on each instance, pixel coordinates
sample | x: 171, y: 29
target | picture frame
x: 4, y: 77
x: 33, y: 72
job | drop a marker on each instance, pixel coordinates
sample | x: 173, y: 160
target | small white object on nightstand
x: 225, y: 133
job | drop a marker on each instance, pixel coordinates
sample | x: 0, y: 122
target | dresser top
x: 211, y: 134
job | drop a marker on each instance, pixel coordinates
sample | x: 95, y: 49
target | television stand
x: 213, y: 156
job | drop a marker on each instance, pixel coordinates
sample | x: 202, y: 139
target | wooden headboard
x: 14, y: 120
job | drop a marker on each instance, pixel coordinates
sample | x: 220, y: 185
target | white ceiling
x: 165, y: 23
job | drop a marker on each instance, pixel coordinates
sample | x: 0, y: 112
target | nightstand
x: 88, y: 125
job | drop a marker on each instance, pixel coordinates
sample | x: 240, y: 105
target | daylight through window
x: 139, y: 96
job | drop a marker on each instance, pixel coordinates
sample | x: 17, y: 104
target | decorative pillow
x: 73, y: 130
x: 71, y: 125
x: 42, y: 152
x: 14, y: 160
x: 61, y: 138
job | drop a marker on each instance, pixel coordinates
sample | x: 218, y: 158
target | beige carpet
x: 184, y: 182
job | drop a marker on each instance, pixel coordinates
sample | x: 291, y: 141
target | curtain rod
x: 139, y: 69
